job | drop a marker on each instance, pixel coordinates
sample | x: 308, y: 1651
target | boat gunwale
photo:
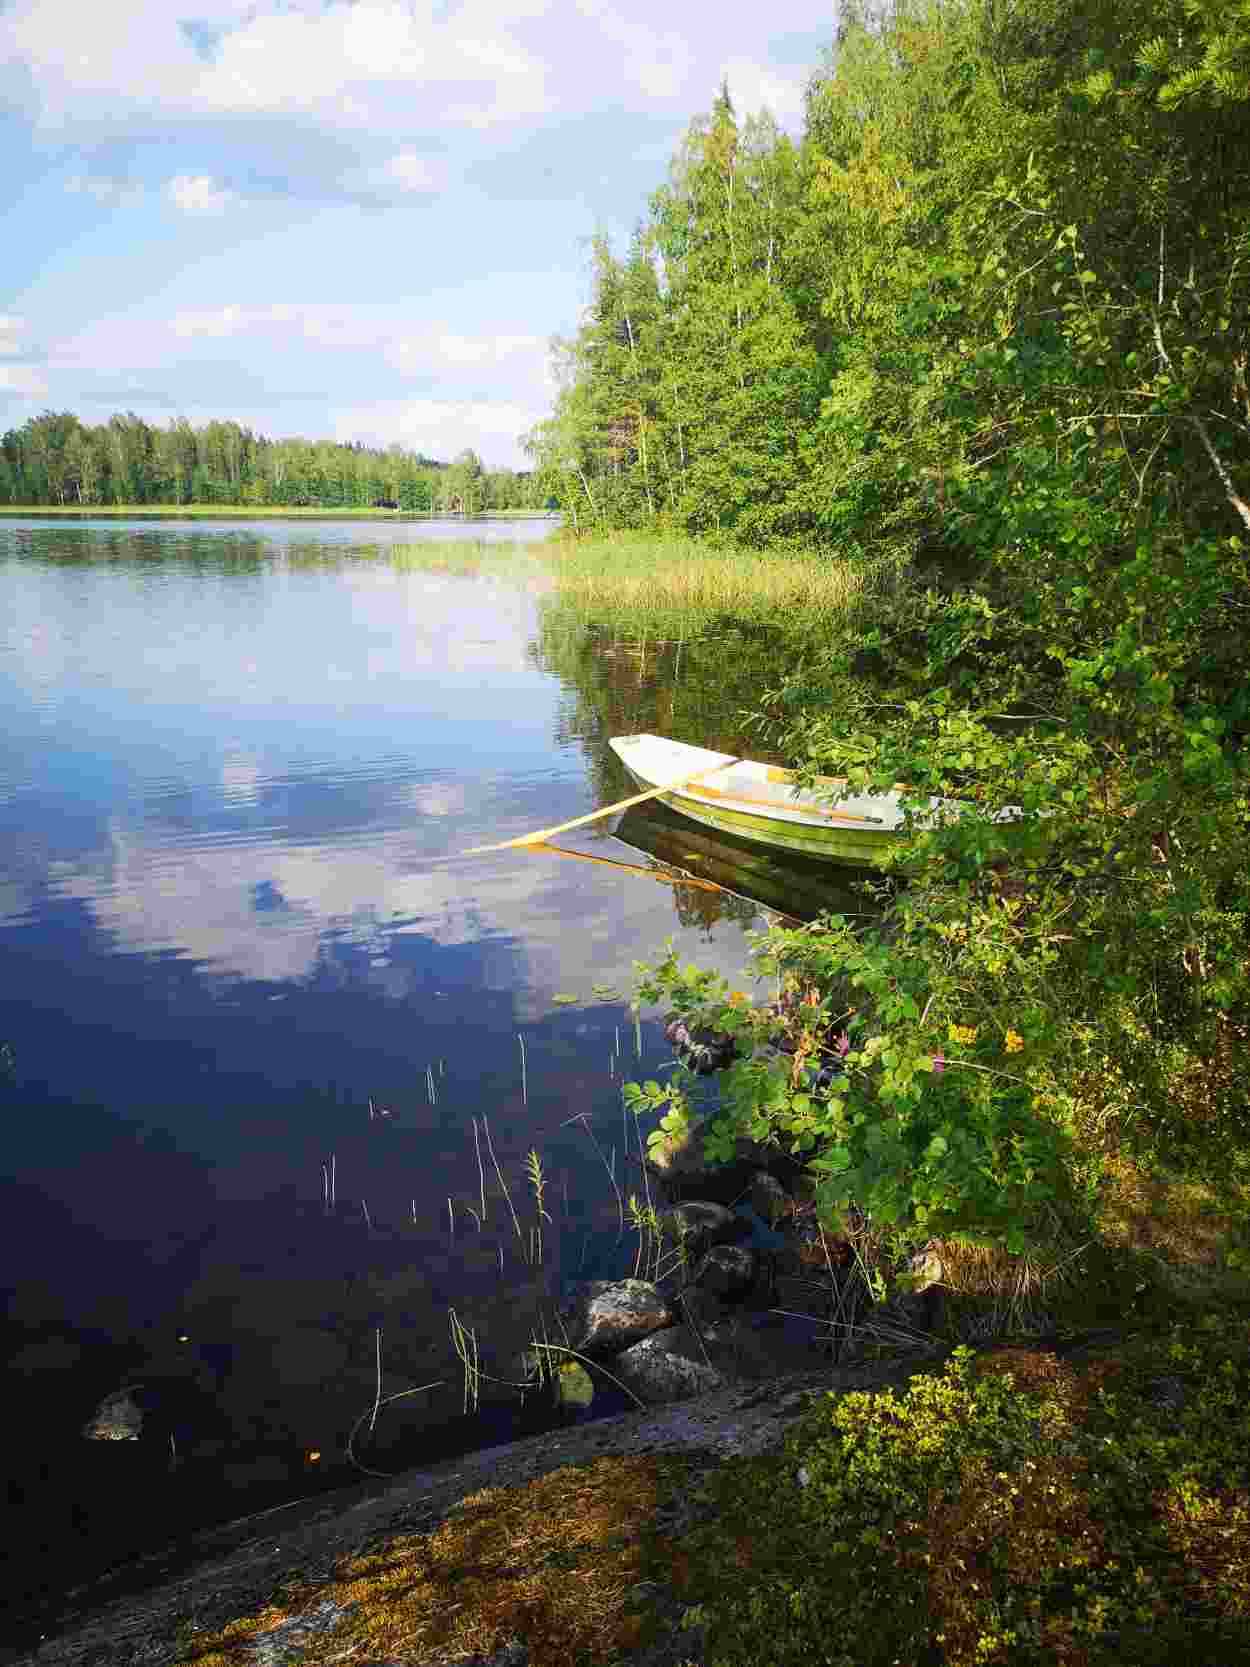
x: 806, y: 812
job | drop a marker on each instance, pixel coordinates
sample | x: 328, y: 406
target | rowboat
x: 761, y: 802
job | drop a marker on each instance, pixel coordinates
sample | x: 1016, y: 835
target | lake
x: 242, y: 964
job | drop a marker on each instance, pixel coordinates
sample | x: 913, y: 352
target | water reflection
x: 236, y: 769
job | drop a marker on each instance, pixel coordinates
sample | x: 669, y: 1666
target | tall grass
x: 673, y: 588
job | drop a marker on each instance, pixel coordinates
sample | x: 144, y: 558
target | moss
x: 1014, y: 1507
x: 554, y: 1562
x: 1011, y: 1509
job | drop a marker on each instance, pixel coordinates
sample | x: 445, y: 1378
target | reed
x: 583, y: 1118
x: 534, y: 1169
x: 507, y: 1195
x: 665, y: 590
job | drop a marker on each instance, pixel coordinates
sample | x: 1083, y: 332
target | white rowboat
x: 761, y: 802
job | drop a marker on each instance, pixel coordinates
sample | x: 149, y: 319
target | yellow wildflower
x: 1013, y: 1041
x: 963, y: 1033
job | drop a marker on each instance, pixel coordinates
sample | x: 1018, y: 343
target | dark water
x: 236, y: 766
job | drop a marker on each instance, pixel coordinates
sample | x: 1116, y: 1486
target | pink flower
x: 939, y: 1063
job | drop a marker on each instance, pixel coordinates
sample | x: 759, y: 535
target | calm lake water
x: 237, y: 764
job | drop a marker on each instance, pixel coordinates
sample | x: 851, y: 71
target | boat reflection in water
x: 717, y: 876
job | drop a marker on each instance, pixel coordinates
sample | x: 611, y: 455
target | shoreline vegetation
x: 256, y: 512
x: 972, y: 358
x: 56, y: 461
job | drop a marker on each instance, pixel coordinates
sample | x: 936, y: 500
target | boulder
x: 668, y: 1366
x: 699, y: 1223
x: 769, y: 1199
x: 604, y: 1316
x: 728, y: 1271
x: 1167, y: 1392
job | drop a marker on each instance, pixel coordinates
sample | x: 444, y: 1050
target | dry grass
x: 553, y: 1562
x: 1182, y: 1230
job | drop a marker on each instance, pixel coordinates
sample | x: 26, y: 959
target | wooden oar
x: 598, y: 815
x: 669, y: 878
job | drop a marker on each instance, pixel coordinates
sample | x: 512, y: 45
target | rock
x: 1167, y: 1392
x: 909, y: 1318
x: 769, y: 1199
x: 925, y: 1269
x: 285, y: 1643
x: 699, y: 1224
x: 668, y: 1366
x: 704, y: 1312
x: 604, y: 1316
x: 728, y: 1271
x: 119, y: 1417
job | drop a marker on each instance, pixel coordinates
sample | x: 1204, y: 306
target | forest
x: 1008, y: 248
x: 54, y: 459
x: 980, y: 332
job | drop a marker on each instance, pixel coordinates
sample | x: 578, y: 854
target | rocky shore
x: 715, y: 1370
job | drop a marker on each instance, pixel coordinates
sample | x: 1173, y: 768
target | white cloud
x: 10, y: 329
x: 438, y: 798
x: 463, y: 350
x: 199, y: 195
x: 23, y: 380
x: 407, y: 171
x: 443, y: 427
x: 374, y: 62
x: 515, y: 359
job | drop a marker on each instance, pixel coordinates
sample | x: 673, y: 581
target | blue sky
x: 346, y: 220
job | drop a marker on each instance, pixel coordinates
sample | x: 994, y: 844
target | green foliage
x: 914, y: 1126
x: 55, y: 459
x: 1016, y: 253
x: 1009, y: 1510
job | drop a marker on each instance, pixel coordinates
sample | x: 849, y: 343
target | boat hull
x: 792, y: 822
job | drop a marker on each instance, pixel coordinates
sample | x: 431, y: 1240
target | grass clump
x: 672, y: 587
x: 1014, y: 1508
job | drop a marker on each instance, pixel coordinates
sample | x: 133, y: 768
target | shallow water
x: 239, y: 955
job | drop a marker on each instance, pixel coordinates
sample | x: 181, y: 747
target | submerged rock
x: 119, y: 1417
x: 574, y: 1385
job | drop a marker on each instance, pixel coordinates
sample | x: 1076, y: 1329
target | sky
x: 355, y: 221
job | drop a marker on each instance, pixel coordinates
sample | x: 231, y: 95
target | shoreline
x: 137, y: 1611
x: 259, y: 512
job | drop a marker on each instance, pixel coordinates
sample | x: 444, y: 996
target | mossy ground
x: 1012, y: 1506
x: 554, y: 1563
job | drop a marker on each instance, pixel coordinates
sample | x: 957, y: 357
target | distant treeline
x: 56, y: 459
